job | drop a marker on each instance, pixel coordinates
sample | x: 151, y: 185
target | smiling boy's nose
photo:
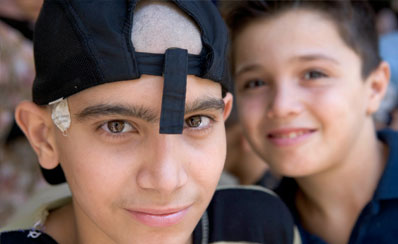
x: 284, y: 102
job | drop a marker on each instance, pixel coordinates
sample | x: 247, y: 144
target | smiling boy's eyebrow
x: 207, y: 103
x: 247, y: 68
x: 298, y: 58
x: 313, y: 57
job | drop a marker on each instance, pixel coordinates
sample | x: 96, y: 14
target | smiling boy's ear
x: 36, y: 123
x: 228, y: 101
x: 377, y: 85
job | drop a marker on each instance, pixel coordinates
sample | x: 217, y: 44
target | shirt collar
x: 388, y: 187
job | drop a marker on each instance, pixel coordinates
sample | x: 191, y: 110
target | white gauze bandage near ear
x: 60, y: 114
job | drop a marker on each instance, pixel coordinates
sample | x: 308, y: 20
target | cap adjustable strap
x: 153, y: 64
x: 173, y: 100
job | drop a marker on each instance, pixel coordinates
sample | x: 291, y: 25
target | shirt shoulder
x: 35, y: 211
x: 249, y: 214
x: 26, y: 236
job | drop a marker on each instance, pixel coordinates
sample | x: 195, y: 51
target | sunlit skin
x: 131, y: 184
x: 307, y: 111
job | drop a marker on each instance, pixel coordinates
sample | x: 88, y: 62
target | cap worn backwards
x: 80, y: 44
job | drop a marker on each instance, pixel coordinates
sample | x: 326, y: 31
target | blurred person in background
x: 19, y: 176
x: 387, y: 28
x: 242, y: 165
x: 386, y: 21
x: 20, y: 14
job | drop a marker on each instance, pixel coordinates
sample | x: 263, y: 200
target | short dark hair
x: 355, y: 22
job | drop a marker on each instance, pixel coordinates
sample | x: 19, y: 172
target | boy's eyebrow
x: 312, y: 57
x: 247, y: 68
x: 298, y: 58
x: 208, y: 103
x: 118, y: 109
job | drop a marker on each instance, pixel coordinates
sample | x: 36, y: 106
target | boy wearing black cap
x: 129, y: 103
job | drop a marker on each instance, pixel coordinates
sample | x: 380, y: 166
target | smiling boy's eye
x: 117, y: 126
x: 197, y: 121
x: 253, y: 84
x: 314, y: 74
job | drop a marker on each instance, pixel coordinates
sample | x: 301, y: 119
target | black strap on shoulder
x: 175, y: 82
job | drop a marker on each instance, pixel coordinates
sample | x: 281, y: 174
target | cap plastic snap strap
x: 174, y: 88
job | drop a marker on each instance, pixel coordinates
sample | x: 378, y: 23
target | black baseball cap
x: 79, y: 44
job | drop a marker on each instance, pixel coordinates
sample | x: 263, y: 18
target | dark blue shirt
x: 378, y: 221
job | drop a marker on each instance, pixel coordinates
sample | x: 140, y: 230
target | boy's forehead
x: 314, y: 36
x: 138, y: 100
x: 145, y: 91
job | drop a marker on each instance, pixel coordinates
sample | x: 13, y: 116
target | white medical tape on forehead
x: 60, y: 114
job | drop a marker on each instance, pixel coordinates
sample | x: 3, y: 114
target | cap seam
x: 128, y: 42
x: 85, y: 39
x: 204, y: 35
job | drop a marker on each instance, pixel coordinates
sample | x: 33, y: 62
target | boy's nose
x: 284, y: 103
x: 164, y: 170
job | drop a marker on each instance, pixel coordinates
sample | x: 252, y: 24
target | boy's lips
x: 159, y: 217
x: 289, y: 136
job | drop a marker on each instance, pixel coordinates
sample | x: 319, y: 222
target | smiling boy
x: 308, y: 79
x: 129, y: 103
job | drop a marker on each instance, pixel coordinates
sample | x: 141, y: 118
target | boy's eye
x: 117, y: 126
x: 314, y: 74
x: 197, y: 121
x: 253, y: 84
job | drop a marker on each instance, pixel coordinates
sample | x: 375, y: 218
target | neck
x: 331, y: 201
x: 61, y: 225
x: 250, y: 171
x: 353, y: 180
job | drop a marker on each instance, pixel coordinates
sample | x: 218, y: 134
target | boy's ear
x: 377, y: 85
x: 228, y: 100
x: 37, y: 126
